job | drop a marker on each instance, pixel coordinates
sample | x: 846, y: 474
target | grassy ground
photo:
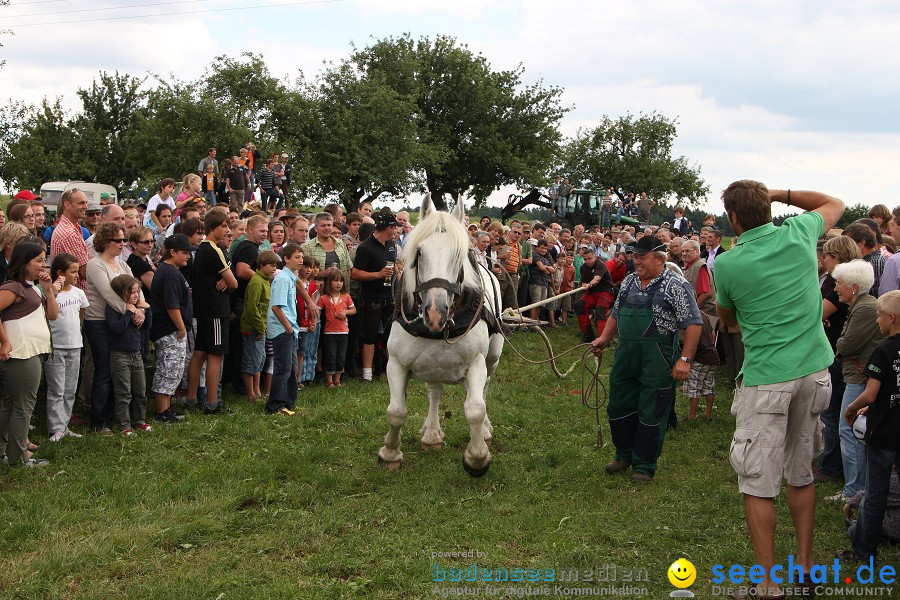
x: 248, y: 505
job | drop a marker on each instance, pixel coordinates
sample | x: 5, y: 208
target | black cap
x: 384, y: 219
x: 179, y: 241
x: 649, y: 243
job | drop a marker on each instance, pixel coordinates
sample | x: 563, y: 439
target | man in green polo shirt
x: 768, y: 283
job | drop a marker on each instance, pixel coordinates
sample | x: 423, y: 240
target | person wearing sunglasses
x: 653, y: 305
x: 108, y: 242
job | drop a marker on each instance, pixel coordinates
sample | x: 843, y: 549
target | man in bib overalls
x: 653, y: 305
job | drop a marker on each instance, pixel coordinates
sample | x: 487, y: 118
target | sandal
x: 330, y: 384
x: 31, y: 447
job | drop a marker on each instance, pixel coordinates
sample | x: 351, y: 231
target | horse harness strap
x: 467, y: 309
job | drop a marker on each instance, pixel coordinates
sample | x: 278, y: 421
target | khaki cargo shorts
x: 778, y: 431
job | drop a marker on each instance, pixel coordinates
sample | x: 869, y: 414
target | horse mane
x: 454, y: 241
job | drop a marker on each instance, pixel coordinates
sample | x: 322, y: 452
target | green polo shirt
x: 771, y: 278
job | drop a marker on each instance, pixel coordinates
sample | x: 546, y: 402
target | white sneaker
x: 72, y: 434
x: 57, y: 436
x: 839, y: 497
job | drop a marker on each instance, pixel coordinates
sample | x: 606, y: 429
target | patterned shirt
x: 512, y: 259
x: 876, y: 259
x: 673, y: 303
x: 67, y: 239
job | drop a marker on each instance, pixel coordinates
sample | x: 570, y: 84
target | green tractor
x: 583, y: 207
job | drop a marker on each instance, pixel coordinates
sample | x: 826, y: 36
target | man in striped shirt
x: 269, y: 192
x: 67, y: 235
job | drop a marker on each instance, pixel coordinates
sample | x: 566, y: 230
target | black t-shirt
x: 883, y: 422
x: 237, y: 177
x: 372, y: 256
x: 836, y: 321
x: 169, y: 290
x: 138, y: 267
x: 209, y: 263
x: 599, y: 268
x: 247, y: 253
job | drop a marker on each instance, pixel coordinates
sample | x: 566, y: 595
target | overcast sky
x: 798, y: 94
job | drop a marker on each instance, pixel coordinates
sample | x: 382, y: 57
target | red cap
x: 26, y: 195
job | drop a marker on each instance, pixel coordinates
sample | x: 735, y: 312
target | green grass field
x: 254, y: 506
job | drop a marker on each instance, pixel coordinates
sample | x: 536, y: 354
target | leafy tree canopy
x: 633, y: 154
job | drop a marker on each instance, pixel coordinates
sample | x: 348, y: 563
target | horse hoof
x: 427, y: 447
x: 473, y: 472
x: 390, y: 465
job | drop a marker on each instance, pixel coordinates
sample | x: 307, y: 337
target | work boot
x: 588, y: 336
x: 618, y: 466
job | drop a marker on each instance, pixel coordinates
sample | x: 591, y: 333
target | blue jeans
x: 284, y: 375
x: 830, y: 463
x: 102, y: 399
x: 210, y: 197
x: 868, y: 529
x: 853, y: 452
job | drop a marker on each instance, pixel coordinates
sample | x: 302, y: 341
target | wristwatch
x: 687, y: 359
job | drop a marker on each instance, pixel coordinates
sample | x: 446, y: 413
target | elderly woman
x: 109, y: 239
x: 835, y: 251
x: 859, y: 337
x: 483, y: 250
x: 330, y: 251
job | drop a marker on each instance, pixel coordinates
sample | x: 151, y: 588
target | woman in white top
x: 24, y: 339
x: 109, y: 239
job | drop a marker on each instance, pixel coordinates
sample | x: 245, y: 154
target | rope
x: 593, y: 390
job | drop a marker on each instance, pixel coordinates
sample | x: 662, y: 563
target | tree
x: 367, y: 143
x: 633, y: 154
x: 39, y: 149
x: 176, y: 131
x: 109, y: 110
x: 852, y: 213
x: 481, y: 129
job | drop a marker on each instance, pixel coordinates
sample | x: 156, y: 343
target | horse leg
x: 477, y: 457
x: 492, y: 360
x: 390, y: 454
x: 432, y: 434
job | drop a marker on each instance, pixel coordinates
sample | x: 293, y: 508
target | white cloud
x: 788, y: 93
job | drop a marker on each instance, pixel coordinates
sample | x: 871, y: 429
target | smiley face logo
x: 682, y: 573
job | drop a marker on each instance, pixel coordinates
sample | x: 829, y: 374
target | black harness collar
x: 467, y: 307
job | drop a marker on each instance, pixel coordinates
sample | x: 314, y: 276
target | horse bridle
x: 454, y: 288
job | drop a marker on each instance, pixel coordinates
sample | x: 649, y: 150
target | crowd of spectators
x: 215, y: 289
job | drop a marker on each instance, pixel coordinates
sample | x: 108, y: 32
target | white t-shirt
x: 151, y: 209
x: 66, y: 329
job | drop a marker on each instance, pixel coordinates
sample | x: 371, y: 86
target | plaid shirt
x: 67, y: 238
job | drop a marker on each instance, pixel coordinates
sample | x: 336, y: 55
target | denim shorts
x: 254, y: 354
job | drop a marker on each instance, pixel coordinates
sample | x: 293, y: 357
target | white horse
x: 440, y: 282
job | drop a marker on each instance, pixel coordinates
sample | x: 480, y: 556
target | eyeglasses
x: 145, y: 241
x: 118, y: 240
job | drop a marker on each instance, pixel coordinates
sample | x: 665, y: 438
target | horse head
x: 439, y: 269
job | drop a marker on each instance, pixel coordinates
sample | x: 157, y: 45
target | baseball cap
x: 385, y: 219
x: 648, y: 244
x: 179, y: 241
x: 26, y: 195
x: 93, y: 207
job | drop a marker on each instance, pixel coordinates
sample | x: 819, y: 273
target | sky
x: 797, y: 94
